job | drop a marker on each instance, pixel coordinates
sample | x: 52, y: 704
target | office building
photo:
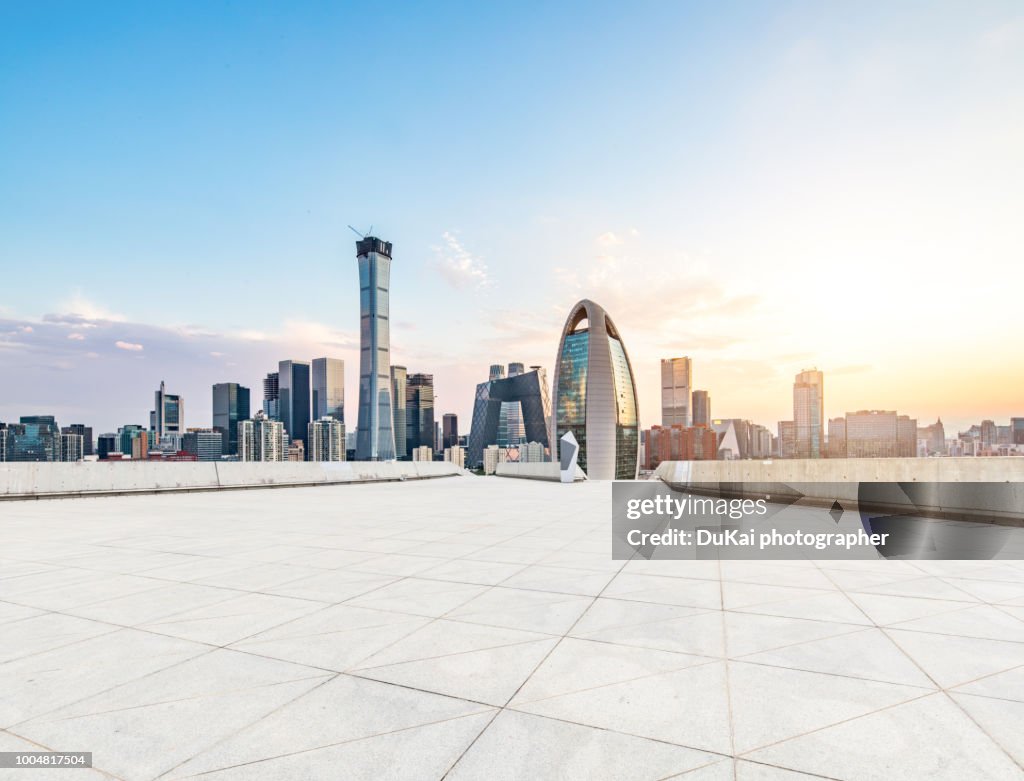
x: 262, y: 439
x: 327, y: 439
x: 1017, y: 431
x: 86, y: 434
x: 419, y: 412
x: 809, y: 413
x: 293, y: 388
x: 455, y: 455
x: 72, y: 447
x: 785, y: 444
x: 701, y: 408
x: 932, y: 439
x: 376, y: 436
x: 168, y: 413
x: 206, y: 444
x: 528, y: 391
x: 107, y: 444
x: 595, y: 395
x: 511, y: 428
x: 880, y: 434
x: 328, y: 388
x: 837, y: 437
x: 230, y: 406
x: 676, y: 387
x: 398, y: 381
x: 450, y: 433
x: 272, y: 396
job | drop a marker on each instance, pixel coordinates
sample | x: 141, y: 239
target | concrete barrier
x: 945, y: 492
x: 89, y: 478
x: 543, y: 470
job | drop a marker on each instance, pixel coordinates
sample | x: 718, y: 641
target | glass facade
x: 627, y: 426
x: 293, y: 389
x: 571, y: 404
x: 328, y: 389
x: 230, y: 405
x: 375, y: 438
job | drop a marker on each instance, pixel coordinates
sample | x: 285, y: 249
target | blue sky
x: 762, y: 186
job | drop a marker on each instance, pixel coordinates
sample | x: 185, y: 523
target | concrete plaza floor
x: 476, y: 628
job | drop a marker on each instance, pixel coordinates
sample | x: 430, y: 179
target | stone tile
x: 688, y: 708
x: 936, y: 741
x: 413, y: 754
x: 771, y: 704
x: 1002, y: 720
x: 868, y: 654
x: 952, y: 661
x: 26, y: 637
x: 420, y: 597
x: 533, y: 611
x: 153, y: 605
x: 559, y: 580
x: 234, y: 619
x: 983, y: 621
x: 521, y: 746
x: 575, y: 665
x: 489, y: 675
x: 886, y: 609
x: 668, y: 591
x: 1008, y: 685
x: 342, y: 709
x: 37, y: 684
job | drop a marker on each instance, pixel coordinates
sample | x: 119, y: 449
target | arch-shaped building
x: 595, y: 395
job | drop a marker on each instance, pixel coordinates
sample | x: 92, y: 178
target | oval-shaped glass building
x: 595, y: 395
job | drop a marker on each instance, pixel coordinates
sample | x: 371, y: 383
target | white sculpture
x: 568, y: 452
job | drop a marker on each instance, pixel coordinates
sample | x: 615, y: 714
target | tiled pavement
x: 476, y: 628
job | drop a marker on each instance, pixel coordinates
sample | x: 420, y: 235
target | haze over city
x: 177, y: 183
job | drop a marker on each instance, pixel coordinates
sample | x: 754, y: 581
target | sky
x: 763, y: 186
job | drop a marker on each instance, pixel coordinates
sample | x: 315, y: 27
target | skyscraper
x: 272, y: 396
x: 375, y: 440
x: 168, y: 414
x: 528, y: 391
x: 511, y: 431
x: 676, y: 385
x: 329, y: 389
x: 450, y: 436
x: 701, y: 408
x: 595, y: 395
x: 809, y: 414
x: 293, y: 377
x: 398, y: 379
x: 419, y: 412
x: 230, y: 405
x: 206, y: 444
x: 262, y: 439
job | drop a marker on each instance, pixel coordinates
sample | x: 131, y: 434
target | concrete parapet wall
x: 87, y: 478
x: 946, y: 492
x: 544, y: 470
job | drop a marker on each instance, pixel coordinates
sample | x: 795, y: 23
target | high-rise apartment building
x: 327, y: 439
x: 168, y: 413
x: 676, y: 387
x: 398, y: 381
x: 809, y: 413
x: 329, y: 389
x: 375, y: 439
x: 230, y: 406
x: 880, y: 434
x: 293, y: 377
x: 701, y: 408
x: 262, y: 439
x: 419, y: 412
x: 455, y: 455
x: 450, y: 435
x: 272, y: 396
x: 72, y: 447
x: 785, y: 444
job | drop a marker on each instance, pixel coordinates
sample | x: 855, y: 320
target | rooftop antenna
x: 360, y: 235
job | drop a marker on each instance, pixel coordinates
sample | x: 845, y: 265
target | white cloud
x: 609, y: 239
x: 130, y: 346
x: 79, y: 306
x: 26, y: 329
x: 76, y: 337
x: 458, y: 265
x: 216, y: 354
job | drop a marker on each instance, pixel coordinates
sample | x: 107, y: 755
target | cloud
x: 216, y: 354
x: 609, y: 239
x: 76, y: 337
x: 459, y: 267
x: 78, y: 306
x: 130, y: 346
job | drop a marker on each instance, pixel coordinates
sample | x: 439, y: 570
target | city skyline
x: 822, y: 184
